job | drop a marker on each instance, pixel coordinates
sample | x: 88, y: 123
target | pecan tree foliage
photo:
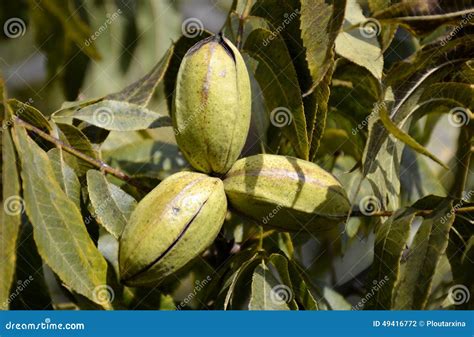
x: 356, y: 87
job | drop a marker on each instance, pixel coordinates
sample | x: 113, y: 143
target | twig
x: 93, y: 161
x: 422, y: 212
x: 242, y: 19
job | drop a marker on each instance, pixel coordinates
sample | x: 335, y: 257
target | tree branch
x: 421, y: 212
x: 104, y: 167
x: 242, y: 19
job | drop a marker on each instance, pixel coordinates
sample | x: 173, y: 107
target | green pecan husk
x: 211, y: 105
x: 172, y: 225
x: 286, y: 193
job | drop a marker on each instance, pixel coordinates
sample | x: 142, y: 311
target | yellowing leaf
x: 12, y: 208
x: 59, y: 231
x: 117, y: 116
x: 359, y: 44
x: 112, y: 206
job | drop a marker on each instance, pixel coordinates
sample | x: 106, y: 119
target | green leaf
x: 12, y: 208
x: 29, y: 114
x: 301, y: 288
x: 406, y: 83
x: 319, y: 34
x: 237, y: 283
x: 117, y: 116
x: 321, y: 93
x: 180, y: 48
x: 406, y: 138
x: 75, y: 138
x: 423, y: 17
x: 279, y: 85
x: 69, y: 107
x: 310, y: 45
x: 65, y: 176
x: 390, y: 240
x: 141, y: 91
x: 460, y: 252
x: 358, y: 45
x: 30, y: 291
x: 381, y: 160
x: 59, y: 230
x: 428, y: 246
x: 280, y: 265
x: 267, y: 292
x: 148, y: 158
x: 112, y: 206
